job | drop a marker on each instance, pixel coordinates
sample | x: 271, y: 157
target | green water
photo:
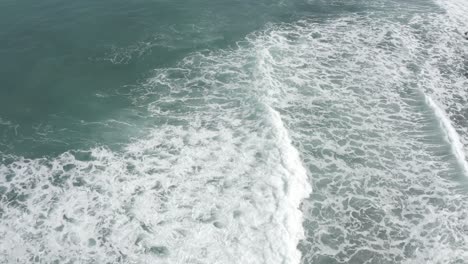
x: 233, y: 131
x: 66, y: 64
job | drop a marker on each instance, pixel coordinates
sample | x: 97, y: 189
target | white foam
x: 452, y: 136
x: 349, y: 91
x: 270, y: 90
x: 443, y: 73
x: 298, y: 187
x: 5, y: 122
x: 457, y: 11
x: 221, y: 181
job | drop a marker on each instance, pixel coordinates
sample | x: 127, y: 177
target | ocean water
x: 234, y: 131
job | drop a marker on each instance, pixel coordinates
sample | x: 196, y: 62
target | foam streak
x: 298, y: 186
x: 452, y: 136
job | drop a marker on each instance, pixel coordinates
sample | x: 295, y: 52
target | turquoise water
x: 233, y: 132
x: 66, y: 64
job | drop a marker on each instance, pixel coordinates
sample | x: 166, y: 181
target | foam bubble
x: 353, y: 93
x: 452, y: 134
x: 222, y: 180
x: 456, y: 13
x: 125, y: 55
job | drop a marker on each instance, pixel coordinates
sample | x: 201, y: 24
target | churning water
x: 234, y: 132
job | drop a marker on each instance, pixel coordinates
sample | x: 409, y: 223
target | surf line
x: 298, y: 185
x: 452, y: 135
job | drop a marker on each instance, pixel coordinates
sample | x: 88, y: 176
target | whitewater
x: 338, y: 139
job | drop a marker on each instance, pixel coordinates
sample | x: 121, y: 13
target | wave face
x: 331, y: 139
